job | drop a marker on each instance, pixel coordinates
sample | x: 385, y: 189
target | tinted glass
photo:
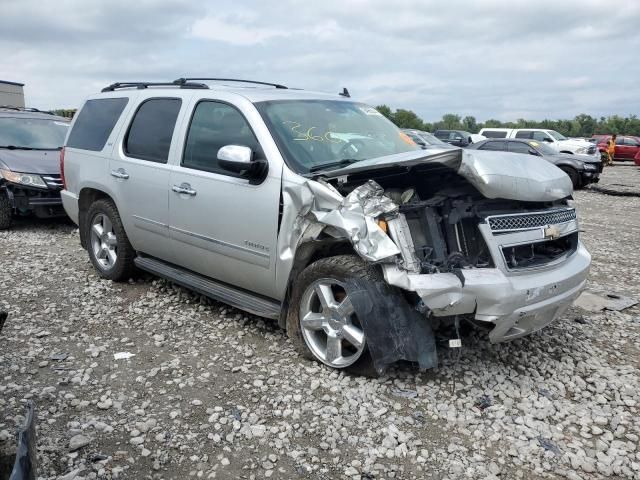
x: 213, y: 126
x: 32, y: 133
x: 442, y: 135
x: 523, y: 134
x: 540, y: 136
x: 149, y: 136
x: 490, y: 134
x: 519, y: 147
x: 494, y: 145
x: 319, y: 134
x: 95, y: 123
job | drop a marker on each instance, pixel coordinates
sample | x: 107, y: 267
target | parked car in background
x: 316, y: 210
x: 555, y: 140
x: 626, y: 147
x: 29, y: 163
x: 458, y: 138
x: 636, y: 159
x: 425, y: 139
x: 582, y: 169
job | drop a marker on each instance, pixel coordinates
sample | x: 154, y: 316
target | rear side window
x: 95, y: 123
x: 442, y: 135
x: 523, y: 134
x: 495, y: 145
x: 541, y: 136
x: 149, y: 136
x: 491, y: 134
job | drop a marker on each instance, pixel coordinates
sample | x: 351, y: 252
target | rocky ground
x: 214, y: 393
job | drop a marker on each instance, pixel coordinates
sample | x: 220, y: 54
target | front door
x: 140, y: 175
x: 221, y: 226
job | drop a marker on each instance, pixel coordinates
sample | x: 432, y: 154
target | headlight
x: 582, y: 149
x: 28, y: 179
x: 590, y: 166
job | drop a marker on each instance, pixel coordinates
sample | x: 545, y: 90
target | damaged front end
x: 482, y: 234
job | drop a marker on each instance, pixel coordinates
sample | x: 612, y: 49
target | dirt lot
x: 214, y: 393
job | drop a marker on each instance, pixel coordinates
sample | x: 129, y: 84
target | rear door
x: 221, y: 225
x: 139, y: 174
x: 626, y: 148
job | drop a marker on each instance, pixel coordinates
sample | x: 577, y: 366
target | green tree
x: 470, y: 124
x: 407, y: 119
x: 386, y: 111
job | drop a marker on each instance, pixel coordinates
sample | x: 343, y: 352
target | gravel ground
x: 214, y: 393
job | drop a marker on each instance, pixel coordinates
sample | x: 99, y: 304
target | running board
x: 241, y: 299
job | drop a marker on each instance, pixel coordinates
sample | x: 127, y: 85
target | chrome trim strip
x: 219, y: 242
x: 148, y: 220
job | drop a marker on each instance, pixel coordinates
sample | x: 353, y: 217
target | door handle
x: 120, y: 173
x: 184, y: 188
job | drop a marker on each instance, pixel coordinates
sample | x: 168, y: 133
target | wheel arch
x: 307, y: 253
x: 86, y: 198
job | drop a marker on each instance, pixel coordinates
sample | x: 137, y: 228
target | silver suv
x: 315, y: 210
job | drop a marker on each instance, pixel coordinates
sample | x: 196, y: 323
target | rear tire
x: 573, y: 175
x: 6, y: 211
x: 107, y: 243
x: 321, y: 321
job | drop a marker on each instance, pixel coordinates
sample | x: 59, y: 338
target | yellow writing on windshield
x: 308, y: 134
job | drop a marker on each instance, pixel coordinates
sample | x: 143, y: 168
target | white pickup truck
x: 555, y: 140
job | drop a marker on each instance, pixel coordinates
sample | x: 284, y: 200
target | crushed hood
x: 505, y: 175
x: 42, y: 162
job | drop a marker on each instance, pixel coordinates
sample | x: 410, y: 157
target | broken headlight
x: 28, y: 179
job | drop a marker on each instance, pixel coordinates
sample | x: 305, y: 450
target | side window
x: 213, y: 126
x: 442, y: 135
x: 493, y: 134
x: 519, y: 147
x: 631, y: 141
x: 541, y: 136
x: 524, y: 134
x: 95, y: 123
x: 149, y: 136
x: 494, y: 145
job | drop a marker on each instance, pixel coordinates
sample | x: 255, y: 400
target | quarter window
x: 494, y: 134
x: 523, y: 134
x: 541, y: 136
x: 95, y: 123
x: 213, y: 126
x: 149, y: 136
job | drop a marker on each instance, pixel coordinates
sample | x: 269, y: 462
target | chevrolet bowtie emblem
x: 551, y: 232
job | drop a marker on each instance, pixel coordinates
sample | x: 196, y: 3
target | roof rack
x: 26, y: 109
x: 143, y: 85
x: 182, y: 81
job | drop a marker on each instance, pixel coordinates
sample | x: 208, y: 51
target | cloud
x: 543, y: 59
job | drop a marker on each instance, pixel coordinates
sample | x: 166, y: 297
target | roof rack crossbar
x: 143, y: 85
x: 181, y: 81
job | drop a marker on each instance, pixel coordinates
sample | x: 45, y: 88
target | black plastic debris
x: 3, y: 318
x: 581, y: 320
x: 25, y: 466
x: 484, y: 402
x: 548, y: 445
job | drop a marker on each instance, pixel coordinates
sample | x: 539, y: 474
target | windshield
x: 317, y: 134
x: 556, y: 135
x: 543, y: 148
x: 32, y: 133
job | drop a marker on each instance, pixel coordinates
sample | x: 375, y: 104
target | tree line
x: 582, y: 125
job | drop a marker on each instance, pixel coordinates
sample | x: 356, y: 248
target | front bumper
x: 43, y: 202
x: 587, y: 177
x: 516, y: 304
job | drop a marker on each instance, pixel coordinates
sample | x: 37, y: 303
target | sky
x: 505, y: 59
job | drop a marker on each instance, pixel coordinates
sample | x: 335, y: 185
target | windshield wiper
x: 340, y: 163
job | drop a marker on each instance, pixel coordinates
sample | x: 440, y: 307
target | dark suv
x: 457, y: 138
x: 30, y: 141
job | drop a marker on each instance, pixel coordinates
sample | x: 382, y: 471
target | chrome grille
x: 530, y: 220
x: 53, y: 181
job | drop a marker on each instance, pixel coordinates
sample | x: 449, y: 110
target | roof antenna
x: 345, y: 93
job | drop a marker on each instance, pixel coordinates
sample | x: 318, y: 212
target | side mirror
x: 239, y: 159
x: 547, y: 139
x: 533, y: 151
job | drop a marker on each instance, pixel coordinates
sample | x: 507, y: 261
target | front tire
x: 109, y: 249
x: 322, y: 322
x: 6, y: 211
x: 573, y: 175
